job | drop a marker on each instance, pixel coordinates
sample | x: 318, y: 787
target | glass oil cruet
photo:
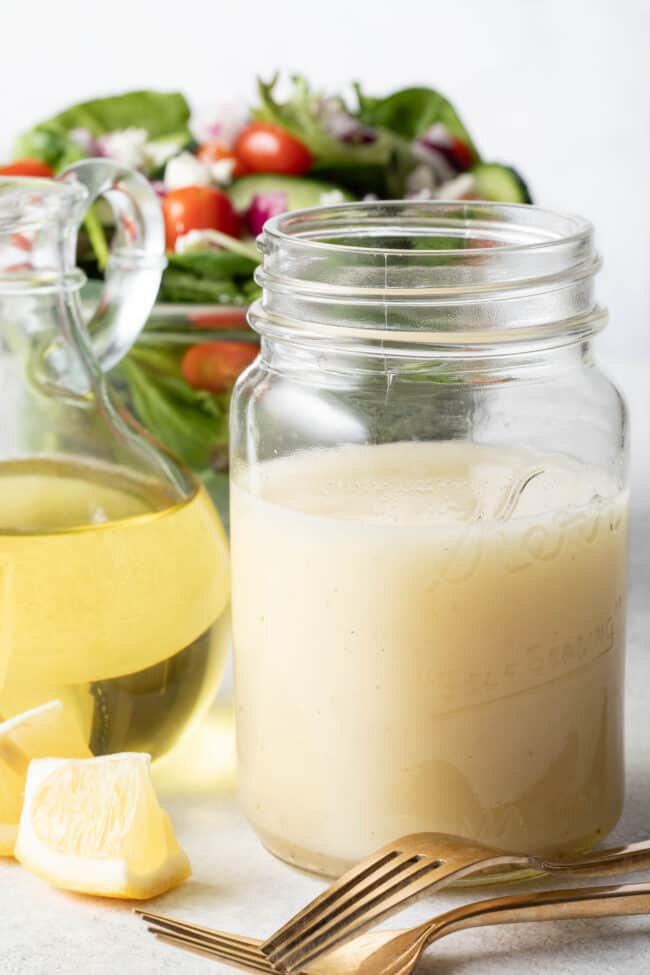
x: 114, y: 587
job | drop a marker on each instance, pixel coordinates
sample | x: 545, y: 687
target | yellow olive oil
x: 115, y: 598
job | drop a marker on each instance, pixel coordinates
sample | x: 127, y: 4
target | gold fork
x: 397, y: 952
x: 402, y: 871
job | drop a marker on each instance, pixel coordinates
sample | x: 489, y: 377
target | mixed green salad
x: 218, y: 184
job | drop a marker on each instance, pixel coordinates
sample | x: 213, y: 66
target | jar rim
x: 446, y: 272
x: 294, y: 227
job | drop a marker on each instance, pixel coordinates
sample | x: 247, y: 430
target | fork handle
x: 604, y: 863
x: 548, y: 905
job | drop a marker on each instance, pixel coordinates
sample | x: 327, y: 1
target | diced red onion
x: 442, y: 169
x: 158, y: 187
x: 437, y: 136
x: 343, y: 126
x: 222, y: 123
x: 353, y: 133
x: 262, y: 207
x: 438, y: 139
x: 84, y: 139
x: 102, y: 146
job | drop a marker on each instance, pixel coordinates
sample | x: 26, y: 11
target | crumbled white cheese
x: 421, y: 180
x: 158, y: 153
x: 435, y: 159
x: 127, y: 146
x: 222, y: 170
x: 195, y: 240
x: 222, y: 122
x: 331, y: 196
x: 186, y: 170
x: 463, y: 187
x: 423, y: 194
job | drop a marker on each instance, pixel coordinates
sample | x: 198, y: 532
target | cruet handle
x: 137, y: 257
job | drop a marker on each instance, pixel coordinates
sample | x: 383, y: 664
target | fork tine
x: 329, y: 896
x: 207, y: 951
x: 227, y: 946
x: 395, y: 882
x: 248, y: 946
x: 347, y: 889
x: 360, y: 914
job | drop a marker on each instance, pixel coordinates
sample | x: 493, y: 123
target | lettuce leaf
x: 411, y: 111
x: 361, y: 168
x: 162, y: 114
x: 380, y: 166
x: 302, y: 115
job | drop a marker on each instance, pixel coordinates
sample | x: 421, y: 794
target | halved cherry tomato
x: 198, y: 208
x: 27, y: 167
x: 215, y: 365
x: 212, y: 151
x: 22, y: 242
x: 264, y: 148
x: 460, y: 153
x: 220, y: 318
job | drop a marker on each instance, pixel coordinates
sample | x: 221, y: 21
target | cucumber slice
x: 301, y: 192
x: 501, y: 184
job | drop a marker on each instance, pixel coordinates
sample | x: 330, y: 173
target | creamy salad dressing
x: 428, y: 637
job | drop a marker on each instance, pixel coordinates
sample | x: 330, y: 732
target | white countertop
x: 237, y: 886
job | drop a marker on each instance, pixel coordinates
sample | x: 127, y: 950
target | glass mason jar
x: 428, y: 512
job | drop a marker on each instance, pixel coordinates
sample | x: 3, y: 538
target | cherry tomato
x: 215, y: 365
x: 460, y: 153
x: 27, y: 167
x: 226, y: 318
x: 212, y: 151
x: 266, y: 148
x: 198, y: 208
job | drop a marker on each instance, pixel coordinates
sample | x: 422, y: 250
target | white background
x: 558, y: 87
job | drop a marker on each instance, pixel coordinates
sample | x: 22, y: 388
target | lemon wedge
x: 95, y: 826
x: 43, y: 731
x: 77, y: 700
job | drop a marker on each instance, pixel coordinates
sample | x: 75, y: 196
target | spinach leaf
x: 208, y: 276
x: 180, y: 286
x: 49, y: 142
x: 192, y: 424
x: 411, y: 111
x: 213, y: 264
x: 160, y: 113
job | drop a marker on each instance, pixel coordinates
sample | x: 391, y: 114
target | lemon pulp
x: 95, y: 826
x: 43, y: 731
